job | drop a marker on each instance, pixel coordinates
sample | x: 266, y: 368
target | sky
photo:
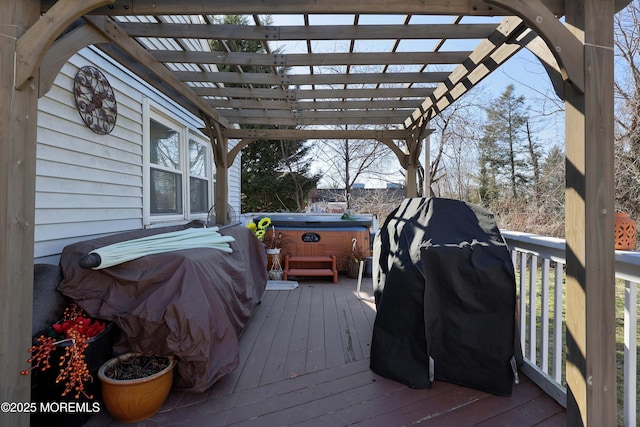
x: 523, y: 70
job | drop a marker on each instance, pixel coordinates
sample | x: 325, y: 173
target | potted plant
x: 134, y: 385
x: 64, y: 359
x: 267, y: 234
x: 70, y: 339
x: 260, y: 228
x: 352, y: 257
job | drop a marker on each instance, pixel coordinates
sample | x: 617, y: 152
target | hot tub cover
x: 191, y: 303
x: 295, y: 220
x: 445, y: 293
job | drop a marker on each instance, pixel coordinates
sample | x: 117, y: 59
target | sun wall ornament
x: 95, y: 100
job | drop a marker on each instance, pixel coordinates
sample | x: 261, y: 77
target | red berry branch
x: 77, y: 328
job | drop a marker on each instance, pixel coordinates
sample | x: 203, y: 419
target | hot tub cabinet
x: 322, y: 235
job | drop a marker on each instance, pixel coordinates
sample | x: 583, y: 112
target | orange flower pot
x: 625, y: 232
x: 135, y: 399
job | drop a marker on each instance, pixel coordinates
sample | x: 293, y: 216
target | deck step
x: 310, y: 272
x: 310, y: 266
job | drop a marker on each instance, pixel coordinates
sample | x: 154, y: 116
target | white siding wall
x: 234, y: 181
x: 88, y: 185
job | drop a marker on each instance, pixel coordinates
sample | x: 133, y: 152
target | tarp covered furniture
x: 190, y: 303
x: 445, y: 294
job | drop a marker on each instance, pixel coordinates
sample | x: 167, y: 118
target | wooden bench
x: 310, y: 266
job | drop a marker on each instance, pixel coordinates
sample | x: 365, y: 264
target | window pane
x: 197, y: 159
x: 165, y: 145
x: 166, y: 192
x: 199, y: 192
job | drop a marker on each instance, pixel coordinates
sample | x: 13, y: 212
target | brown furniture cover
x: 191, y: 303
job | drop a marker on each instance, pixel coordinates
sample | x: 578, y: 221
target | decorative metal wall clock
x: 95, y: 100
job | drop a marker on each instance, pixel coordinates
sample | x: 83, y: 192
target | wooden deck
x: 304, y: 360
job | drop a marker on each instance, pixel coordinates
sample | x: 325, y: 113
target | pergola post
x: 18, y: 124
x: 427, y: 166
x: 220, y: 144
x: 414, y: 146
x: 591, y: 365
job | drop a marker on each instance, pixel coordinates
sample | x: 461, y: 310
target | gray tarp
x: 190, y: 303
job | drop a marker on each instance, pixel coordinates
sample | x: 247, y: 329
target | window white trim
x: 194, y: 135
x: 153, y: 111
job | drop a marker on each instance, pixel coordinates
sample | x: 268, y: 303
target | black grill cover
x: 445, y: 293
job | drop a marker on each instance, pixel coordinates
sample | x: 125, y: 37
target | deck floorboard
x: 304, y: 361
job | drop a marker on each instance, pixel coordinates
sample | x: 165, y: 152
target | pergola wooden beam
x: 299, y: 134
x: 33, y: 45
x: 248, y: 7
x: 62, y: 49
x: 487, y: 56
x: 315, y: 32
x: 309, y: 59
x: 311, y: 79
x: 325, y: 114
x: 302, y: 105
x: 316, y: 121
x: 415, y: 92
x: 567, y: 49
x: 135, y: 52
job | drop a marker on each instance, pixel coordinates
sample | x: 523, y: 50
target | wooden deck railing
x: 539, y: 263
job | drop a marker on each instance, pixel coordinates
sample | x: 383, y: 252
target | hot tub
x: 319, y: 220
x: 321, y: 234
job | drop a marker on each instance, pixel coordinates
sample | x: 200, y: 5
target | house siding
x: 90, y: 185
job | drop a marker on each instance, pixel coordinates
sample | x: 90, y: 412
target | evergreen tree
x: 504, y: 147
x: 242, y: 46
x: 275, y: 174
x: 535, y: 154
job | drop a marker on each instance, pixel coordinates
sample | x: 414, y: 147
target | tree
x: 270, y: 169
x: 502, y: 149
x: 276, y: 176
x: 455, y: 137
x: 244, y: 46
x: 627, y: 117
x: 552, y: 188
x: 347, y: 161
x: 534, y: 153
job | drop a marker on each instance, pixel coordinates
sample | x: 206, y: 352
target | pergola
x: 161, y: 42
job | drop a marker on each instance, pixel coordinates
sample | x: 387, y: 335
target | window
x: 179, y: 180
x: 198, y: 177
x: 165, y: 169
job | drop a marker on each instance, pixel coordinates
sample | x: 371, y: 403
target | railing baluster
x: 558, y: 324
x: 630, y: 351
x: 544, y: 313
x: 533, y: 315
x: 527, y: 249
x: 523, y: 301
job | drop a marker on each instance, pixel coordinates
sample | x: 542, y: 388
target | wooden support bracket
x: 34, y: 43
x: 565, y: 46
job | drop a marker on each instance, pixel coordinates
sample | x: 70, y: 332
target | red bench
x: 310, y: 266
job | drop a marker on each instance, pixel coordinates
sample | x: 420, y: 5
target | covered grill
x: 444, y: 286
